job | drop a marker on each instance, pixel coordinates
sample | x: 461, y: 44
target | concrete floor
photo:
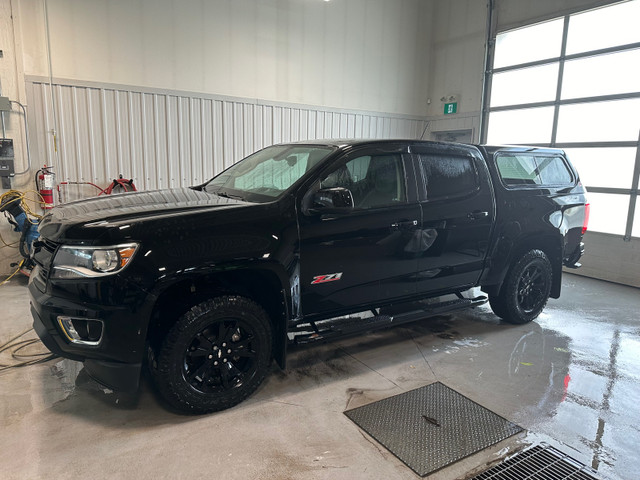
x: 572, y: 379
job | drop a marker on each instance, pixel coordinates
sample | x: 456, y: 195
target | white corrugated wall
x: 174, y: 139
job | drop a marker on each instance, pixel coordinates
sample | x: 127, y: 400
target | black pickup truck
x: 297, y: 243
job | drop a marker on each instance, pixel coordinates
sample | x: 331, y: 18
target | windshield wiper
x: 227, y: 195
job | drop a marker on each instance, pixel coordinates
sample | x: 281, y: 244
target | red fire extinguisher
x: 46, y: 181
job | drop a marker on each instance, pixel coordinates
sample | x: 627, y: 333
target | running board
x: 343, y: 326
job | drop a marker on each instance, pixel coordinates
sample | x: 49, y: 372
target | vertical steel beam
x: 490, y: 49
x: 633, y: 199
x: 556, y: 107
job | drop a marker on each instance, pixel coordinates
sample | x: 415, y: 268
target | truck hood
x: 128, y: 208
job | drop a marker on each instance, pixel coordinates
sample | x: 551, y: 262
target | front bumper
x: 116, y: 361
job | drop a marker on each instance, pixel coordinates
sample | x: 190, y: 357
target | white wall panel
x: 175, y: 139
x: 356, y: 54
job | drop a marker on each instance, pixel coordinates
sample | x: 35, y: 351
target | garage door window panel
x: 514, y: 47
x: 615, y: 73
x: 604, y: 167
x: 600, y: 121
x: 526, y: 85
x: 603, y: 28
x: 522, y: 126
x: 608, y: 213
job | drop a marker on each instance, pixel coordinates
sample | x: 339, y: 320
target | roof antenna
x: 426, y: 125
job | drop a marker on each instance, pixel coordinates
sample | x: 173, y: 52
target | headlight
x: 78, y: 262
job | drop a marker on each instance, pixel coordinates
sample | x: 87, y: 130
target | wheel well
x: 550, y: 245
x: 261, y: 286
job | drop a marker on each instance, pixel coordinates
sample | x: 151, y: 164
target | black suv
x: 296, y: 243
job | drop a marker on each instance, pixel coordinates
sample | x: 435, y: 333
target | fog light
x: 82, y: 331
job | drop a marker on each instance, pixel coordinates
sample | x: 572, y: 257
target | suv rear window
x: 523, y: 169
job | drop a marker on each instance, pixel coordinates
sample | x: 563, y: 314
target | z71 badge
x: 331, y: 277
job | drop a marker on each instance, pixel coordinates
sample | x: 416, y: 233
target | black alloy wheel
x: 525, y: 290
x: 532, y: 288
x: 214, y: 356
x: 220, y: 357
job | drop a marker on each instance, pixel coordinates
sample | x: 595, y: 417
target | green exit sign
x: 450, y: 108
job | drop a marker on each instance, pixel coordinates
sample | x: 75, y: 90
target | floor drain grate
x: 539, y: 462
x: 431, y: 427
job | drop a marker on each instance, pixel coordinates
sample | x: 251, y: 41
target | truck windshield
x: 268, y: 173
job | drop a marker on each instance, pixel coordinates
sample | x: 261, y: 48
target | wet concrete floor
x: 571, y: 379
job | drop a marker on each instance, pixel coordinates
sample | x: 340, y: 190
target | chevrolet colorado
x: 296, y: 243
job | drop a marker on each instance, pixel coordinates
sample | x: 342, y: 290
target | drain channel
x: 539, y: 462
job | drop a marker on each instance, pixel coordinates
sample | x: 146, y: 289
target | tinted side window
x: 374, y: 181
x: 448, y: 176
x: 533, y: 170
x: 358, y: 168
x: 553, y: 171
x: 518, y: 169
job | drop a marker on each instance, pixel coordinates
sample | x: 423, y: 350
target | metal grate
x: 540, y: 462
x: 431, y: 427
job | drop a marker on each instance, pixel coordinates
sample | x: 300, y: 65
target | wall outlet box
x: 6, y: 162
x: 5, y: 104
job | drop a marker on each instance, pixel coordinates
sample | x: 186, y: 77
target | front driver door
x: 364, y: 256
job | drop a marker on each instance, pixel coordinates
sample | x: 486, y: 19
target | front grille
x: 539, y: 462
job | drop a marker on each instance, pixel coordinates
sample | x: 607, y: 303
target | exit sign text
x: 450, y: 108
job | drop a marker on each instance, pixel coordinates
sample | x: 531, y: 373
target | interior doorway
x: 460, y: 136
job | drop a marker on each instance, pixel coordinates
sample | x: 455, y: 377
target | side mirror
x: 332, y: 200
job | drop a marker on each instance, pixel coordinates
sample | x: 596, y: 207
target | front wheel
x: 215, y: 355
x: 526, y: 289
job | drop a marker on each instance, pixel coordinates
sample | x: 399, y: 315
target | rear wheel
x: 526, y: 289
x: 215, y: 356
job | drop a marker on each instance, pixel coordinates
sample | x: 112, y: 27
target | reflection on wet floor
x: 572, y: 379
x: 603, y: 386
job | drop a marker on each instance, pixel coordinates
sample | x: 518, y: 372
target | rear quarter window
x: 553, y: 171
x: 533, y: 170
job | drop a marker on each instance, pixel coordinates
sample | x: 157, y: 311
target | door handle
x: 477, y: 215
x: 403, y: 225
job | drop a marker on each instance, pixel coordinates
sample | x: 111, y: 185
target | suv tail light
x: 587, y: 207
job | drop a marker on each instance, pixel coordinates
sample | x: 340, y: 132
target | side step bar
x: 343, y: 326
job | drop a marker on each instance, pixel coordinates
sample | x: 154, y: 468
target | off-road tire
x: 525, y: 290
x: 232, y: 332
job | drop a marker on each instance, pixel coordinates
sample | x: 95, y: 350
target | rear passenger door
x: 457, y: 216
